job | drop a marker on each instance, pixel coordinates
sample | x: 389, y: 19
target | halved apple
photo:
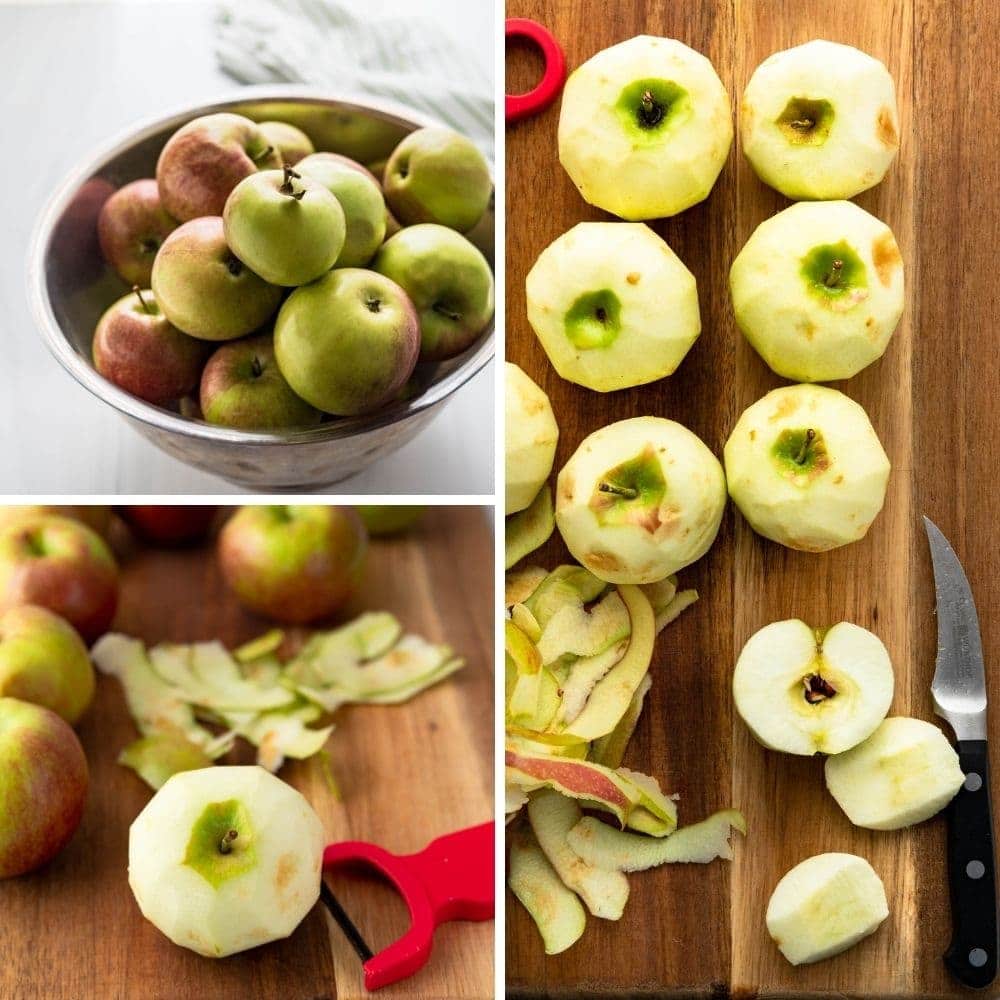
x: 531, y: 436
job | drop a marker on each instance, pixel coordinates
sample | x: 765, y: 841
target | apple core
x: 805, y: 122
x: 222, y: 843
x: 832, y: 270
x: 649, y: 108
x: 594, y: 320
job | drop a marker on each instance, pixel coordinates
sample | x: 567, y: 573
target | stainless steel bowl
x: 70, y: 286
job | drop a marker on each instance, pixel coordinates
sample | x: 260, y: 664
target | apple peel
x: 158, y: 757
x: 281, y: 734
x: 610, y: 750
x: 520, y: 584
x: 575, y: 631
x: 529, y: 529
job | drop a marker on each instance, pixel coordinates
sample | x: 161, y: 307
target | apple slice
x: 556, y: 910
x: 610, y: 750
x: 552, y: 816
x: 904, y: 773
x: 804, y: 690
x: 520, y: 584
x: 160, y: 756
x: 574, y: 631
x: 529, y: 529
x: 824, y: 905
x: 601, y: 845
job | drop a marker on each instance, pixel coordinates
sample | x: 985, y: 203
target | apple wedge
x: 530, y: 528
x: 604, y: 892
x: 605, y: 847
x: 556, y: 910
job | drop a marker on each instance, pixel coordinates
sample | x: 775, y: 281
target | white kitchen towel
x: 407, y: 57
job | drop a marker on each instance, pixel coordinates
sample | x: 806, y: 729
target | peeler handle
x: 518, y: 106
x: 457, y: 871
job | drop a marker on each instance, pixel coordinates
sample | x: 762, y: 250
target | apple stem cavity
x: 226, y: 844
x: 833, y: 278
x: 626, y: 492
x: 817, y: 689
x: 803, y: 454
x: 287, y: 188
x: 234, y: 265
x: 650, y: 111
x: 443, y: 310
x: 802, y: 124
x: 142, y: 301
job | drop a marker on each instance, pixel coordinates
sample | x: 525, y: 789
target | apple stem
x: 256, y: 369
x: 817, y: 689
x: 803, y: 124
x: 226, y: 844
x: 263, y: 156
x: 650, y: 113
x: 807, y: 441
x: 142, y: 301
x: 619, y: 491
x: 287, y: 188
x: 833, y: 278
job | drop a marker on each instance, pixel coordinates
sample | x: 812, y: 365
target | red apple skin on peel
x: 43, y: 786
x: 131, y: 228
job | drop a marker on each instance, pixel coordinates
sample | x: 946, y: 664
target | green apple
x: 645, y: 128
x: 389, y: 519
x: 449, y: 282
x: 904, y: 773
x: 242, y: 387
x: 806, y: 468
x: 43, y: 660
x: 43, y: 786
x: 206, y: 158
x: 204, y: 289
x: 291, y: 143
x: 97, y: 517
x: 361, y: 199
x: 348, y: 342
x: 612, y: 305
x: 131, y: 229
x: 223, y: 859
x: 285, y: 227
x: 436, y: 175
x: 818, y: 290
x: 820, y: 121
x: 295, y: 564
x: 639, y: 500
x: 138, y: 349
x: 806, y: 691
x: 824, y: 905
x: 531, y: 435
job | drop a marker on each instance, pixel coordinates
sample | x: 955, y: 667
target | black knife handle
x: 972, y: 955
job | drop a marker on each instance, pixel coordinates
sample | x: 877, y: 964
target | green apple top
x: 645, y: 128
x: 820, y: 121
x: 818, y: 290
x: 612, y: 305
x: 806, y: 468
x: 530, y: 442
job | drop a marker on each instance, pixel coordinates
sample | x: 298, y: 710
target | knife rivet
x: 975, y: 869
x: 973, y: 782
x: 977, y: 958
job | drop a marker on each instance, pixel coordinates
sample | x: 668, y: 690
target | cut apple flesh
x: 556, y: 910
x: 904, y: 773
x: 529, y: 529
x: 601, y: 845
x: 552, y: 816
x: 804, y: 691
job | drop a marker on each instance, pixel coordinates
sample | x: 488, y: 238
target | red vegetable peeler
x: 518, y: 106
x: 450, y: 879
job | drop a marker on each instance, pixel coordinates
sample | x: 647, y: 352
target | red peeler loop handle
x: 518, y: 106
x: 450, y: 879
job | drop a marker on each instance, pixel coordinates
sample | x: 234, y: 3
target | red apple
x: 43, y: 785
x: 295, y: 564
x: 131, y: 227
x: 169, y: 524
x: 61, y: 565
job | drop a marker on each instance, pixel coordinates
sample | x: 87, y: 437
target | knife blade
x: 959, y: 692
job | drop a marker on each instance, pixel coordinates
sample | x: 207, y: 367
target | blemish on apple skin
x: 886, y: 257
x: 785, y: 408
x: 885, y: 128
x: 838, y: 480
x: 603, y: 561
x: 285, y: 870
x: 753, y: 435
x: 807, y: 328
x: 633, y: 277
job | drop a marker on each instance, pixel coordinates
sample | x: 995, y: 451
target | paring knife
x: 959, y: 690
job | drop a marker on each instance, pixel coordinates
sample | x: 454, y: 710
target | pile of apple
x: 644, y: 131
x: 274, y: 286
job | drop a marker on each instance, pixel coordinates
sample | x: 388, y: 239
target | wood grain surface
x: 933, y: 398
x: 406, y: 774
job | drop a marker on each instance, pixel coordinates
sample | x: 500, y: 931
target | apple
x: 806, y: 691
x: 806, y: 468
x: 820, y: 121
x: 449, y: 281
x: 436, y: 175
x: 131, y: 228
x: 531, y: 434
x: 818, y: 290
x: 389, y: 519
x: 361, y: 199
x: 339, y: 159
x: 291, y: 143
x: 169, y: 524
x: 348, y: 342
x: 295, y: 564
x: 904, y: 773
x: 206, y: 158
x: 94, y: 516
x: 136, y: 347
x: 43, y: 785
x: 612, y: 305
x: 639, y: 500
x: 43, y: 660
x: 285, y: 227
x: 61, y: 565
x: 824, y: 905
x: 645, y: 128
x: 204, y: 289
x: 242, y: 387
x: 223, y: 859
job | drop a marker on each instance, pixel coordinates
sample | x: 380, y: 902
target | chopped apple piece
x: 530, y: 528
x: 520, y: 584
x: 601, y: 845
x: 556, y: 910
x: 573, y: 630
x: 610, y: 750
x: 824, y: 905
x: 552, y: 817
x: 156, y: 758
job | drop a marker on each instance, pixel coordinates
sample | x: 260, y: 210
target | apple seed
x: 817, y: 689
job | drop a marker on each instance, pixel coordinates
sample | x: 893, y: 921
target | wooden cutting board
x: 933, y: 398
x: 406, y: 774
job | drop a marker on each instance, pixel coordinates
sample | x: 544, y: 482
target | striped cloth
x: 409, y: 58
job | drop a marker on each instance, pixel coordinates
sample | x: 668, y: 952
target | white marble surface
x: 72, y: 74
